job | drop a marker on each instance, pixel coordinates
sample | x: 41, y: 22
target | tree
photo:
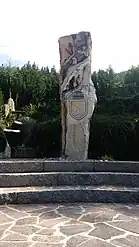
x: 131, y: 81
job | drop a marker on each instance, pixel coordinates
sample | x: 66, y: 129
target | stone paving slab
x: 69, y: 225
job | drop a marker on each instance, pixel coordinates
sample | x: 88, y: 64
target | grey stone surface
x: 132, y: 227
x: 16, y: 165
x: 116, y: 166
x: 86, y: 242
x: 68, y: 166
x: 98, y: 178
x: 69, y: 179
x: 28, y: 179
x: 129, y: 241
x: 95, y: 217
x: 43, y: 165
x: 105, y: 232
x: 74, y: 229
x: 77, y: 92
x: 69, y: 194
x: 52, y: 226
x: 14, y: 244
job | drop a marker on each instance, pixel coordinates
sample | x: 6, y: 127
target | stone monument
x: 77, y: 93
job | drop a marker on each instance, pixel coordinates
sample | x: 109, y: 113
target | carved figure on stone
x: 77, y: 93
x: 10, y: 106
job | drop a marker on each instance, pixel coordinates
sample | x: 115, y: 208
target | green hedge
x: 46, y: 138
x: 114, y: 136
x: 117, y: 106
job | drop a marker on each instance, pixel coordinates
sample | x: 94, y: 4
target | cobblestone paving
x: 69, y: 225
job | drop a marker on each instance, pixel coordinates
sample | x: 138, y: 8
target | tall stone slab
x: 77, y: 93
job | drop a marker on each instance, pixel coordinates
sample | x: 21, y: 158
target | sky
x: 30, y: 29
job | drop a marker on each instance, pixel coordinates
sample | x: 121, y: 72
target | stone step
x: 96, y: 194
x: 69, y: 179
x: 42, y: 165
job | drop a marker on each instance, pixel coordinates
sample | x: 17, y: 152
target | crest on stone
x: 78, y: 109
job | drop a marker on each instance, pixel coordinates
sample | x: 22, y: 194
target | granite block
x: 15, y: 165
x: 43, y: 165
x: 28, y: 179
x: 69, y: 179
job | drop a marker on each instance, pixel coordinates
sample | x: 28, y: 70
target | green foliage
x: 132, y: 76
x: 116, y: 136
x: 105, y: 82
x: 29, y: 84
x: 46, y: 136
x: 107, y: 157
x: 1, y: 99
x: 124, y: 106
x: 113, y: 137
x: 30, y: 110
x: 114, y: 126
x: 131, y: 81
x: 9, y: 120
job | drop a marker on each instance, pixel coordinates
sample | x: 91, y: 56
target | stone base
x: 68, y: 181
x: 58, y: 165
x: 95, y: 194
x: 77, y: 140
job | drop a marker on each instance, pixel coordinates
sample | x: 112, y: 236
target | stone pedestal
x: 77, y: 92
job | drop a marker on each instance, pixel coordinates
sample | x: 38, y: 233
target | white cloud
x: 30, y: 29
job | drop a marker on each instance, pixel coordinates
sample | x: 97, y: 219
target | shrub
x: 111, y: 137
x: 116, y: 136
x: 46, y: 137
x: 117, y: 106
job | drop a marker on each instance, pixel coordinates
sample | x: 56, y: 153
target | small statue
x: 11, y: 102
x: 10, y: 107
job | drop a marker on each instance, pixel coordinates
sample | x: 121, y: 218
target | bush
x: 117, y: 106
x: 46, y: 138
x: 114, y: 136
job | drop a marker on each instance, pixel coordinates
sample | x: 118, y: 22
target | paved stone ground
x: 69, y: 225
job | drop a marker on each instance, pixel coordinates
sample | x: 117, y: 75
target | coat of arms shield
x: 78, y: 109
